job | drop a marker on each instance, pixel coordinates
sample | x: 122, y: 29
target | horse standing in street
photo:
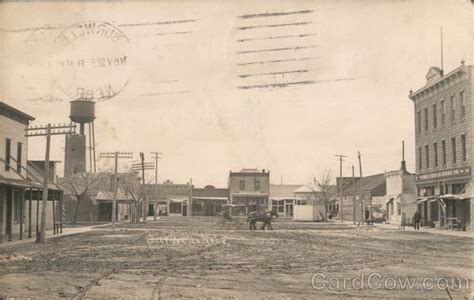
x: 264, y: 217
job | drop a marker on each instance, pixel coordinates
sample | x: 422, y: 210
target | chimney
x: 403, y: 165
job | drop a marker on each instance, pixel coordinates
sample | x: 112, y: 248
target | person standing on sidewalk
x: 403, y: 221
x: 416, y: 220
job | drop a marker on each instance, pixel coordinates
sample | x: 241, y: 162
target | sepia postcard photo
x: 218, y: 149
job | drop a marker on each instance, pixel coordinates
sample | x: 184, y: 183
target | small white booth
x: 308, y: 206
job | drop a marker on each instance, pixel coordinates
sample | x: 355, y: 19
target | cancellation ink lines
x: 274, y: 49
x: 142, y: 26
x: 166, y: 87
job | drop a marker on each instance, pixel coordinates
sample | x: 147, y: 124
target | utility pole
x: 115, y: 155
x: 353, y: 197
x: 145, y: 204
x: 47, y: 131
x: 141, y: 167
x: 341, y: 205
x: 190, y: 206
x: 156, y: 156
x: 362, y: 206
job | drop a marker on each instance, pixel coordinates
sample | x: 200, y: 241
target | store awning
x: 178, y: 199
x: 282, y: 198
x: 210, y: 198
x: 231, y: 205
x: 423, y: 199
x: 21, y: 183
x: 455, y: 196
x: 106, y: 196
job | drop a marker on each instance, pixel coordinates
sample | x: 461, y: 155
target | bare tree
x: 136, y: 190
x: 80, y: 186
x: 323, y: 190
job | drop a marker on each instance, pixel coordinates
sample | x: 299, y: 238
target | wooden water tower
x: 82, y: 113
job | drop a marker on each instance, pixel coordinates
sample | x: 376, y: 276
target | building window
x: 420, y: 159
x: 456, y: 188
x: 435, y: 115
x: 453, y: 108
x: 427, y: 158
x: 453, y: 149
x: 242, y: 185
x: 18, y: 157
x: 443, y: 152
x: 256, y: 185
x: 462, y: 99
x: 426, y: 118
x: 418, y: 122
x: 463, y: 147
x: 443, y: 112
x: 278, y: 206
x: 8, y: 144
x: 435, y: 153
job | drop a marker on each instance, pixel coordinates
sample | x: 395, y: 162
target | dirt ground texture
x: 214, y: 258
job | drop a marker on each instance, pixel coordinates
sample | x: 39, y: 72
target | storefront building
x: 249, y: 191
x: 443, y: 134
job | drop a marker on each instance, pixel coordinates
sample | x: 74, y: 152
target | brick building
x: 172, y: 198
x: 443, y: 131
x: 249, y: 189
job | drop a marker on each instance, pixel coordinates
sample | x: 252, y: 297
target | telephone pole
x: 156, y: 156
x: 341, y: 205
x: 141, y: 167
x: 353, y: 197
x: 115, y: 155
x: 47, y: 131
x: 362, y: 206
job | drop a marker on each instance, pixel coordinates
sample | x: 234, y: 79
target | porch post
x: 22, y: 214
x: 11, y: 212
x: 61, y: 212
x: 54, y: 212
x: 29, y: 212
x: 37, y: 214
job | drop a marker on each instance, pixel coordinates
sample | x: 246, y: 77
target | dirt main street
x: 207, y: 257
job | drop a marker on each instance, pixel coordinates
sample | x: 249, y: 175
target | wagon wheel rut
x: 94, y: 282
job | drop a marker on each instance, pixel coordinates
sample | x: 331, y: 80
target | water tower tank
x: 82, y: 111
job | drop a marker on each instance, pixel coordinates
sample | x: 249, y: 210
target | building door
x: 185, y: 209
x: 289, y: 209
x: 151, y: 209
x: 467, y: 212
x: 209, y: 208
x: 105, y: 212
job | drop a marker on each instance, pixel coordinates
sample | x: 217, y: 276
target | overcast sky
x: 348, y: 68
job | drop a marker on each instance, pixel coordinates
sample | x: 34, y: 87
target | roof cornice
x: 461, y: 69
